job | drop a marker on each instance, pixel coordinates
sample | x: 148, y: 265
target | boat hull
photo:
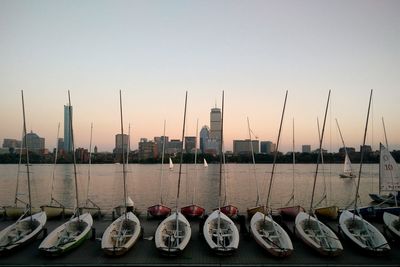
x: 67, y: 236
x: 253, y: 210
x: 16, y: 212
x: 193, y: 211
x: 389, y: 199
x: 270, y: 235
x: 56, y: 211
x: 392, y: 223
x: 290, y: 212
x: 121, y: 235
x: 331, y: 212
x: 363, y: 234
x: 168, y: 240
x: 228, y: 235
x: 344, y: 175
x: 21, y: 233
x: 158, y: 211
x: 317, y: 235
x: 230, y: 211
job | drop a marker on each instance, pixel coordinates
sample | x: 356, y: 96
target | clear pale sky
x: 156, y: 50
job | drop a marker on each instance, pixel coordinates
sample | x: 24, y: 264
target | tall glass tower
x: 67, y: 129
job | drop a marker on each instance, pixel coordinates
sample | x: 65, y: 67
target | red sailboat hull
x: 158, y: 211
x: 291, y: 212
x: 193, y: 211
x: 230, y: 211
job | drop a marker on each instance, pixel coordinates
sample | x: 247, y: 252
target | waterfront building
x: 67, y: 130
x: 306, y: 148
x: 242, y: 147
x: 212, y: 147
x: 174, y: 146
x: 34, y: 143
x: 11, y: 143
x: 204, y: 136
x: 147, y: 149
x: 190, y: 144
x: 81, y: 155
x: 121, y: 143
x: 267, y: 147
x: 159, y: 143
x: 367, y: 149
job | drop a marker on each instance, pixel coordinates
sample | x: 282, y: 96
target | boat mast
x: 27, y: 156
x: 18, y: 172
x: 293, y: 164
x: 73, y: 153
x: 180, y: 164
x: 55, y: 162
x: 90, y: 163
x: 341, y: 136
x: 162, y: 165
x: 275, y: 155
x: 319, y: 154
x: 254, y: 161
x: 123, y: 152
x: 362, y: 156
x: 195, y: 162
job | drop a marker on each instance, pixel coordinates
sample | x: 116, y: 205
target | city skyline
x: 156, y: 51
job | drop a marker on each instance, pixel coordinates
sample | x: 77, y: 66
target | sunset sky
x: 156, y: 50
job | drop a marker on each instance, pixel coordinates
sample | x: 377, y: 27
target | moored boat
x: 270, y: 235
x: 193, y: 211
x: 290, y: 212
x: 392, y: 223
x: 330, y: 212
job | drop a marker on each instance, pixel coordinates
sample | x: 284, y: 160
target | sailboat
x: 171, y: 164
x: 257, y: 207
x: 228, y: 209
x: 193, y: 210
x: 291, y: 211
x: 363, y: 234
x: 122, y: 234
x: 174, y: 232
x: 78, y: 228
x: 25, y: 229
x: 90, y: 205
x: 205, y: 163
x: 160, y: 210
x: 55, y: 208
x: 347, y: 170
x: 308, y: 228
x: 267, y: 233
x: 17, y: 210
x: 330, y: 212
x: 219, y: 231
x: 389, y: 176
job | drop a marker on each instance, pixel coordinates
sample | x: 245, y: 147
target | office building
x: 147, y: 149
x: 67, y: 129
x: 215, y: 124
x: 11, y: 143
x: 267, y: 147
x: 190, y: 144
x: 121, y: 143
x: 34, y: 143
x: 306, y: 148
x: 174, y: 146
x: 204, y: 136
x: 242, y: 147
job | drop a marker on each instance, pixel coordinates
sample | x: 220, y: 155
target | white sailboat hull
x: 317, y: 235
x: 224, y: 241
x: 56, y: 211
x: 67, y: 236
x: 270, y: 235
x: 168, y: 239
x: 121, y: 235
x: 362, y: 233
x: 21, y: 232
x: 392, y: 222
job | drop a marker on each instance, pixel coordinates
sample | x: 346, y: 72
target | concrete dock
x: 196, y: 253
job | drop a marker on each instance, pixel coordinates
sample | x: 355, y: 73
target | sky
x: 154, y: 51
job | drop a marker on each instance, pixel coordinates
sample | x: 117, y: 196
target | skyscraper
x: 204, y: 136
x: 67, y: 129
x: 215, y: 123
x: 121, y: 143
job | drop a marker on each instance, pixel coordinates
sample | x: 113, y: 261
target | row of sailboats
x: 220, y: 232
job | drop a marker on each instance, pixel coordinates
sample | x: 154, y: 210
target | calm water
x: 143, y: 184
